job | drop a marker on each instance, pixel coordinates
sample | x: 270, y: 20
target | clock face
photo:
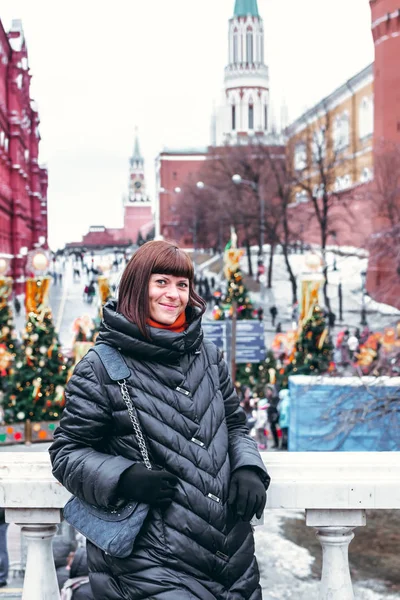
x: 138, y: 185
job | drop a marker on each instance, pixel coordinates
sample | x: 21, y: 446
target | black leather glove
x: 247, y: 493
x: 149, y: 486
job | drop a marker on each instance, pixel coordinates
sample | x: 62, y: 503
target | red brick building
x: 174, y: 170
x: 23, y: 183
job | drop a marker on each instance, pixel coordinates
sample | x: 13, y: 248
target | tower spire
x: 136, y: 150
x: 243, y: 8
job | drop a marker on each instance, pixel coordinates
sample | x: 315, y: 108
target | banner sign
x: 250, y: 340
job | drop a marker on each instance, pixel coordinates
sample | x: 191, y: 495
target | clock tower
x: 137, y: 205
x: 137, y: 183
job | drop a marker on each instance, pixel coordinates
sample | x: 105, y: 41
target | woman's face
x: 168, y: 297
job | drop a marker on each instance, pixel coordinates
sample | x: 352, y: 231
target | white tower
x: 246, y: 94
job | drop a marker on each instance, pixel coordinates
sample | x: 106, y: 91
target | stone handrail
x: 333, y: 488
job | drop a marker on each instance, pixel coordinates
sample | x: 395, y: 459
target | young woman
x: 208, y: 478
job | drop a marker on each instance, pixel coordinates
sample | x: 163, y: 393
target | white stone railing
x: 333, y: 488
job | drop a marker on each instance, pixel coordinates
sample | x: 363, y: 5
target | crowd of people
x: 267, y: 416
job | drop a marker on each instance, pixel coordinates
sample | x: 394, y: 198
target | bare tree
x: 319, y: 170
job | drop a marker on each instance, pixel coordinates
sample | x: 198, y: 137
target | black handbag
x: 112, y: 530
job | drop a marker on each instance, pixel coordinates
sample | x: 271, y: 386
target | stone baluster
x: 38, y: 526
x: 335, y: 532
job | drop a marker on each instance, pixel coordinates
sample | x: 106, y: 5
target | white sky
x: 101, y: 68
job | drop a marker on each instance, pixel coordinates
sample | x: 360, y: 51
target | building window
x: 342, y: 183
x: 318, y: 190
x: 300, y: 156
x: 266, y: 117
x: 366, y: 175
x: 235, y: 47
x: 341, y: 131
x: 233, y: 118
x: 249, y: 42
x: 318, y: 144
x: 251, y: 116
x: 301, y: 197
x: 366, y: 117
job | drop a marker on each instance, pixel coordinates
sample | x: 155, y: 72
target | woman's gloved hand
x: 153, y: 487
x: 247, y: 493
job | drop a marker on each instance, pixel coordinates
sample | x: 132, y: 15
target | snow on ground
x: 286, y: 568
x: 344, y: 268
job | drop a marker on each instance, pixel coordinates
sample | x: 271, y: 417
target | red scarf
x: 178, y: 327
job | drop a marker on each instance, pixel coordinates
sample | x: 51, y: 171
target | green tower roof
x: 246, y: 7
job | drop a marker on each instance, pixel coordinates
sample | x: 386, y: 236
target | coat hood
x: 163, y: 345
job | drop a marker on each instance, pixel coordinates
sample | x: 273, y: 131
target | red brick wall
x: 386, y: 35
x: 134, y: 218
x: 175, y: 172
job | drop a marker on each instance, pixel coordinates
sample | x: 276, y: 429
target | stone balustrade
x: 335, y: 489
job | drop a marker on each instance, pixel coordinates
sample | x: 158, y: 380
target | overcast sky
x: 101, y: 68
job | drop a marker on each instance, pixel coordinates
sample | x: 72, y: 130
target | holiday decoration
x: 311, y: 281
x: 38, y: 262
x: 84, y: 337
x: 35, y: 389
x: 257, y: 375
x: 8, y: 336
x: 313, y: 349
x: 12, y: 434
x: 236, y: 294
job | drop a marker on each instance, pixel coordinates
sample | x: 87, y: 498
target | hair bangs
x: 174, y: 261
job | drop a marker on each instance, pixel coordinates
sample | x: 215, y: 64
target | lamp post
x: 340, y: 298
x: 363, y: 307
x: 237, y: 180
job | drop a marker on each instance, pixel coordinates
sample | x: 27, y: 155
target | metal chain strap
x: 135, y: 423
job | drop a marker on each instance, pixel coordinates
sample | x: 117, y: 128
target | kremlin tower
x: 244, y: 113
x: 137, y: 205
x: 386, y: 34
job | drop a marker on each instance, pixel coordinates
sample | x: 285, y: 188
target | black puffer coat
x: 197, y: 548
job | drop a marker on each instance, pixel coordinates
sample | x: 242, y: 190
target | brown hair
x: 153, y: 257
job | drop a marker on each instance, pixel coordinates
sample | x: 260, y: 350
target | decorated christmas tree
x: 8, y: 336
x: 313, y: 349
x: 35, y: 389
x: 257, y: 375
x: 237, y: 294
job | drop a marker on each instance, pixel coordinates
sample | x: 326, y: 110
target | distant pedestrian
x: 17, y: 306
x: 261, y: 423
x: 353, y: 345
x: 91, y: 292
x: 260, y: 314
x: 212, y: 282
x: 279, y: 328
x: 273, y: 311
x: 60, y: 278
x: 3, y: 549
x: 284, y: 416
x: 272, y: 411
x: 331, y: 319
